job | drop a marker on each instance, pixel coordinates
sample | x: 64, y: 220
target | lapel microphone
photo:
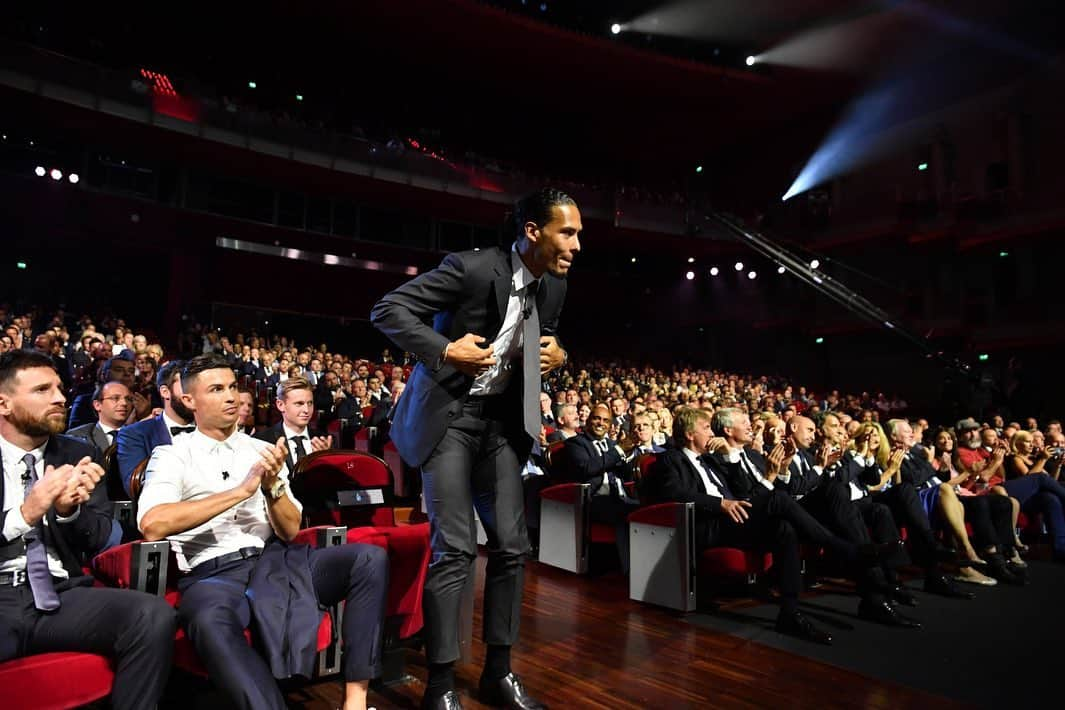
x: 225, y: 475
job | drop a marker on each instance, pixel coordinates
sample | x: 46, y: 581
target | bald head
x: 801, y: 430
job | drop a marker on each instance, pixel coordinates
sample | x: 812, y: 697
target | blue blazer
x: 136, y: 442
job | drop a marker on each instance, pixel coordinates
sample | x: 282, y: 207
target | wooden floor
x: 584, y: 644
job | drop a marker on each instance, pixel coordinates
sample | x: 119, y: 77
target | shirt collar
x: 692, y: 456
x: 201, y: 441
x: 522, y: 276
x: 289, y: 433
x: 170, y: 423
x: 13, y: 454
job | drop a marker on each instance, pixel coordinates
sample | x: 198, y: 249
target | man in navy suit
x: 470, y: 416
x: 54, y: 516
x: 136, y: 441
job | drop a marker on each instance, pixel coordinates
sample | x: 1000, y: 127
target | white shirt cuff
x: 819, y: 470
x: 15, y: 525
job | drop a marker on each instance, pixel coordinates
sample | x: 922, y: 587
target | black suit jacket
x: 741, y: 483
x: 583, y: 463
x: 467, y: 293
x: 673, y: 478
x: 916, y: 469
x: 81, y: 538
x: 803, y: 484
x: 272, y: 434
x: 93, y: 435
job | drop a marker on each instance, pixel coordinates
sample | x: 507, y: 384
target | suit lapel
x: 501, y: 285
x: 162, y: 431
x: 98, y: 435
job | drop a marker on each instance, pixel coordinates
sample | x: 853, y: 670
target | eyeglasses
x: 116, y: 398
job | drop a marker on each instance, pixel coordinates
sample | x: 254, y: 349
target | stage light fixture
x: 698, y: 168
x: 691, y: 259
x: 814, y: 264
x: 56, y: 174
x: 984, y: 357
x: 751, y: 59
x: 739, y: 266
x: 714, y: 271
x: 40, y: 171
x: 781, y: 270
x: 752, y: 275
x: 633, y: 260
x: 922, y: 167
x: 73, y: 177
x: 1003, y: 254
x: 690, y: 275
x: 615, y: 29
x: 252, y: 85
x: 819, y: 340
x: 20, y: 264
x: 299, y: 97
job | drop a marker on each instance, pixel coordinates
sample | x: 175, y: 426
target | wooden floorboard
x: 584, y: 644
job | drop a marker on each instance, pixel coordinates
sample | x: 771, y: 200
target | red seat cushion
x: 50, y: 681
x: 734, y: 562
x: 408, y: 563
x: 602, y: 533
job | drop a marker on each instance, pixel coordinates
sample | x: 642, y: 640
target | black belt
x: 244, y: 553
x: 14, y: 578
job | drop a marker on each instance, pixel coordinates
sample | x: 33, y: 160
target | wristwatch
x: 275, y: 491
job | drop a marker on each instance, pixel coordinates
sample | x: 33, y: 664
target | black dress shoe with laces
x: 793, y: 623
x: 900, y: 595
x: 447, y: 701
x: 938, y: 584
x: 507, y: 692
x: 884, y: 613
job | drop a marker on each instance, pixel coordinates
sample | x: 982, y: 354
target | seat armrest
x: 321, y: 536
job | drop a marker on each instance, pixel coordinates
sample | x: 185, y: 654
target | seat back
x: 112, y: 475
x: 642, y: 464
x: 345, y: 487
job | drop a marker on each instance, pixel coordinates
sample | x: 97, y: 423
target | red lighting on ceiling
x: 159, y: 83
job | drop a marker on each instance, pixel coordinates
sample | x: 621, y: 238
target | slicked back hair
x: 538, y: 207
x: 15, y: 361
x: 202, y: 363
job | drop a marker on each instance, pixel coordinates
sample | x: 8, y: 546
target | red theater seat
x: 54, y: 681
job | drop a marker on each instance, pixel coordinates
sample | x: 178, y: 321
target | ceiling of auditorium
x: 553, y: 89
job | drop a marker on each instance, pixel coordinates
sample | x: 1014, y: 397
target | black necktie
x: 531, y: 361
x: 37, y: 571
x: 300, y: 450
x: 721, y: 485
x: 748, y: 466
x: 175, y: 430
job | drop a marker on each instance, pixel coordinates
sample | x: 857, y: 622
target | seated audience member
x: 219, y: 529
x: 328, y: 395
x: 119, y: 368
x: 295, y: 401
x: 54, y: 513
x: 991, y: 520
x: 147, y: 369
x: 566, y: 423
x: 622, y: 421
x: 547, y: 416
x: 376, y: 393
x: 137, y: 441
x: 593, y: 457
x: 644, y: 435
x: 1025, y: 459
x: 830, y: 489
x: 246, y: 415
x: 770, y: 520
x: 909, y: 509
x: 112, y: 402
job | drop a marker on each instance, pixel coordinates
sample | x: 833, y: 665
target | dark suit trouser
x: 475, y: 464
x: 907, y: 510
x: 134, y: 629
x: 862, y: 522
x: 991, y: 517
x: 215, y: 611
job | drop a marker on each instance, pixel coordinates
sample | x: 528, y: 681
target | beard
x: 972, y: 445
x: 43, y: 425
x: 180, y: 409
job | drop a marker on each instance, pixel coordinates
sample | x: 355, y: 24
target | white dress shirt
x: 856, y: 490
x: 14, y: 524
x: 710, y: 486
x: 192, y: 469
x: 507, y: 346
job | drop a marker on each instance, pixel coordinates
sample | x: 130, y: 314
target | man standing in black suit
x: 295, y: 401
x: 470, y: 417
x: 54, y: 513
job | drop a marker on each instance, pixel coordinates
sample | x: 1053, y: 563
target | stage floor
x: 584, y: 644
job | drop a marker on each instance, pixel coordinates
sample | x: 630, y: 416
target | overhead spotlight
x: 691, y: 259
x: 690, y: 275
x: 56, y: 174
x: 752, y: 275
x: 73, y: 177
x: 615, y: 29
x: 814, y: 264
x: 751, y: 60
x: 781, y: 270
x: 633, y: 260
x: 40, y: 171
x: 714, y: 271
x: 739, y: 266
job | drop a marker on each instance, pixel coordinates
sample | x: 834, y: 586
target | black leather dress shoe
x: 793, y: 623
x: 900, y: 595
x: 447, y: 701
x: 1002, y: 572
x: 507, y: 692
x: 884, y: 613
x: 938, y: 584
x: 942, y: 553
